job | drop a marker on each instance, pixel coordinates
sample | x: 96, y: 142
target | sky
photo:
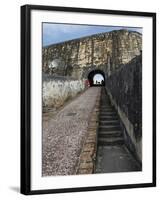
x: 55, y: 33
x: 98, y: 77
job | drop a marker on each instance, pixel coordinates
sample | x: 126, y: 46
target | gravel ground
x: 64, y: 134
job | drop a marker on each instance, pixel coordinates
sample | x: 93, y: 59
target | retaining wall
x: 56, y: 91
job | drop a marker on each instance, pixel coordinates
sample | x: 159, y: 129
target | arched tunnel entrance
x: 96, y: 78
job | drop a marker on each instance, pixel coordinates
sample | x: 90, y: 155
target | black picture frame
x: 26, y: 98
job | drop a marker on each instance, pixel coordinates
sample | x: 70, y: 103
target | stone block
x: 85, y: 171
x: 86, y: 165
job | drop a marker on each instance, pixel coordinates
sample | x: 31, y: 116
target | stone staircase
x: 110, y: 132
x: 112, y: 153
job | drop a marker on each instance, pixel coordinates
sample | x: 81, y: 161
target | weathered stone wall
x: 125, y: 89
x: 57, y: 90
x: 107, y: 51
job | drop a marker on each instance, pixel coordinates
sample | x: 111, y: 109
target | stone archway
x: 91, y: 75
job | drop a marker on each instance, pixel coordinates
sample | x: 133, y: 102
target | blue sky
x: 55, y: 33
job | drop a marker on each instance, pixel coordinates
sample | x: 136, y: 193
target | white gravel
x: 64, y: 134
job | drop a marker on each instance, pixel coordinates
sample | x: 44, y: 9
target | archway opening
x: 96, y: 78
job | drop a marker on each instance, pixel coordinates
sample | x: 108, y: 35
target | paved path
x: 64, y: 134
x: 115, y: 158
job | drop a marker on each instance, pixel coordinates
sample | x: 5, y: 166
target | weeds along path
x: 64, y: 134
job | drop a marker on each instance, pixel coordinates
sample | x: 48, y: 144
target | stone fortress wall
x: 106, y: 51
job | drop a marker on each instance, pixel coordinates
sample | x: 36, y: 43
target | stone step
x: 109, y: 128
x: 107, y: 117
x: 107, y: 105
x: 104, y: 105
x: 110, y: 141
x: 113, y: 112
x: 108, y: 114
x: 109, y: 122
x: 105, y: 99
x: 107, y: 110
x: 106, y: 134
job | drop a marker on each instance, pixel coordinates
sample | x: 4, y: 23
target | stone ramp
x: 112, y: 154
x: 64, y: 134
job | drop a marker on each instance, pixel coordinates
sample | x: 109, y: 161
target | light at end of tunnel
x: 98, y: 79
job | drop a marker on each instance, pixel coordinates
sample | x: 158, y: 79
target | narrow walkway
x: 112, y: 154
x: 64, y: 134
